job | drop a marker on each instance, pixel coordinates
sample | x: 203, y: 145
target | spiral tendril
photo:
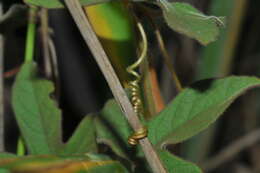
x: 134, y: 85
x: 135, y: 89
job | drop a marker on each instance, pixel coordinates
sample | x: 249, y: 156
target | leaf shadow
x: 202, y: 85
x: 131, y: 152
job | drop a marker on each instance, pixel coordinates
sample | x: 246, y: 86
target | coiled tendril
x: 134, y: 85
x: 135, y: 89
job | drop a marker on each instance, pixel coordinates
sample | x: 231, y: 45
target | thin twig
x: 1, y: 87
x: 165, y: 54
x: 45, y: 42
x: 113, y: 81
x: 230, y: 151
x: 54, y: 63
x: 167, y: 60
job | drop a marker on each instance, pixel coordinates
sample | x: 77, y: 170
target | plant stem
x: 113, y: 81
x: 165, y: 54
x: 167, y: 60
x: 45, y: 42
x: 20, y: 147
x: 30, y: 39
x: 1, y: 87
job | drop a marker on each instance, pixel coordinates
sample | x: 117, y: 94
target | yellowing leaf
x: 55, y: 164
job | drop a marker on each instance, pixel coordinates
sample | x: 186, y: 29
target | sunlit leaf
x: 195, y: 108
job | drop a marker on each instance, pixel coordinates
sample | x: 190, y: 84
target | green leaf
x: 2, y: 170
x: 83, y: 139
x: 175, y: 164
x: 185, y: 19
x: 113, y: 129
x: 37, y: 114
x: 109, y: 167
x: 68, y: 164
x: 58, y: 3
x: 195, y: 108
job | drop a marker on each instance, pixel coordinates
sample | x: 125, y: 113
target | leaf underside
x: 185, y: 19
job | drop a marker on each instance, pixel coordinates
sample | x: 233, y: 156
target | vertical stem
x: 167, y: 60
x: 20, y: 147
x: 1, y: 87
x: 30, y: 39
x: 45, y: 42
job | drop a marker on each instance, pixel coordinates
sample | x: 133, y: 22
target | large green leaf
x: 37, y: 114
x: 113, y: 129
x: 175, y: 164
x: 195, y: 108
x: 83, y: 140
x: 187, y: 20
x: 68, y: 164
x: 40, y: 119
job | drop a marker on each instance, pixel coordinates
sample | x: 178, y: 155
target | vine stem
x: 45, y: 42
x: 30, y: 38
x: 162, y: 47
x: 167, y: 60
x: 1, y: 86
x: 113, y: 81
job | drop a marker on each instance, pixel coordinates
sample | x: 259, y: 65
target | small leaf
x: 195, y: 108
x: 37, y: 114
x: 83, y: 139
x: 174, y: 164
x: 57, y: 3
x: 185, y: 19
x: 113, y: 129
x: 70, y: 164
